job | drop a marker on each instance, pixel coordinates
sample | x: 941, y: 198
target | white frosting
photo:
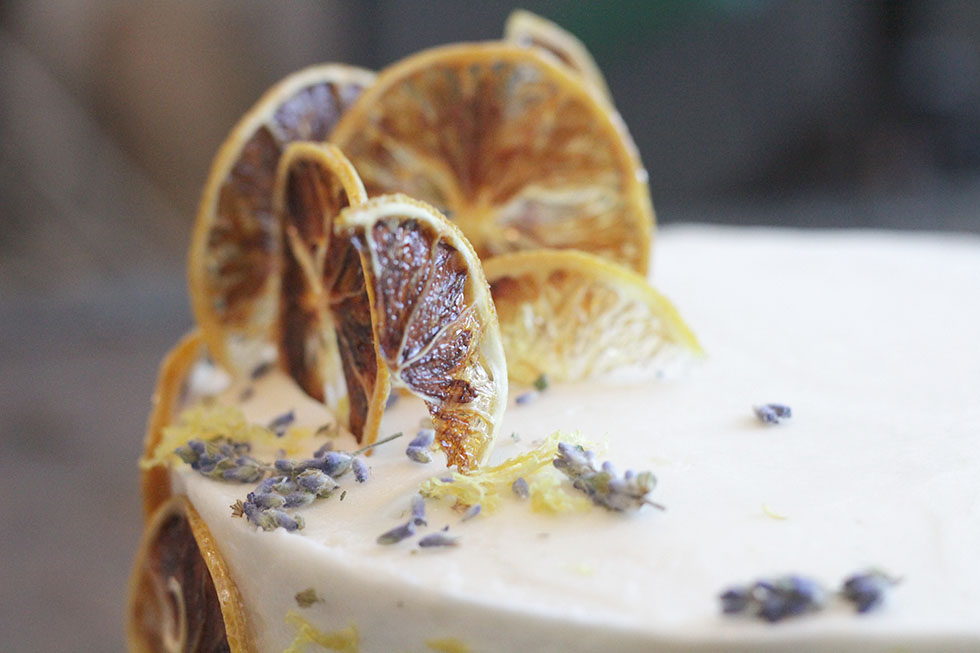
x: 871, y: 338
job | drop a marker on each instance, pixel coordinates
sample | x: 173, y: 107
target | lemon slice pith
x: 434, y: 320
x: 324, y: 328
x: 573, y: 316
x: 516, y: 149
x: 234, y: 259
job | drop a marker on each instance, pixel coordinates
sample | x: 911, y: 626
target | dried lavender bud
x: 772, y: 413
x: 322, y: 451
x: 300, y: 498
x: 520, y: 488
x: 526, y: 397
x: 307, y: 597
x: 397, y: 534
x: 343, y: 495
x: 775, y: 599
x: 360, y: 470
x: 391, y: 400
x: 261, y: 370
x: 279, y: 424
x: 602, y: 486
x: 264, y: 500
x: 867, y: 590
x: 334, y: 463
x: 247, y: 470
x: 418, y: 454
x: 283, y: 519
x: 423, y: 439
x: 471, y: 512
x: 315, y: 481
x: 418, y: 510
x: 438, y: 539
x: 541, y: 383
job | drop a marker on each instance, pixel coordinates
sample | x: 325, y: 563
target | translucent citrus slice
x: 433, y: 320
x: 326, y: 343
x: 234, y: 261
x: 174, y: 372
x: 181, y: 595
x: 527, y: 29
x: 573, y: 316
x: 517, y: 150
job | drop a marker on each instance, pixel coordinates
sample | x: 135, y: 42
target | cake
x: 868, y: 339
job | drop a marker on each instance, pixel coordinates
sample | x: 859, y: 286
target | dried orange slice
x: 325, y: 339
x: 174, y: 372
x: 511, y: 145
x: 530, y: 30
x: 573, y: 316
x: 234, y: 261
x: 434, y: 320
x: 181, y: 595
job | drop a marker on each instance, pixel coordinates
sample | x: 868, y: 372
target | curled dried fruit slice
x: 510, y: 144
x: 181, y: 596
x: 325, y: 339
x: 433, y: 320
x: 234, y: 261
x: 530, y: 30
x: 573, y: 316
x: 171, y: 385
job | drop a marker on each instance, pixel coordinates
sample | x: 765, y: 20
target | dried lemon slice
x: 434, y: 321
x: 171, y: 380
x: 234, y: 261
x: 530, y: 30
x: 573, y: 316
x: 511, y: 145
x: 324, y: 333
x: 181, y: 596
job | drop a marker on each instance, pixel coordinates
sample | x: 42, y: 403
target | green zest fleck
x: 541, y: 383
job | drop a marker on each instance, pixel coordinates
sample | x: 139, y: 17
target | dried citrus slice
x: 326, y: 343
x: 434, y: 320
x: 530, y: 30
x: 234, y: 260
x: 181, y: 595
x: 174, y: 372
x: 512, y: 146
x: 572, y: 316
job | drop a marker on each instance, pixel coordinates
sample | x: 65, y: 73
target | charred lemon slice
x: 171, y: 384
x: 517, y: 150
x: 326, y: 343
x: 433, y: 320
x: 235, y: 255
x: 573, y: 316
x: 530, y: 30
x: 181, y: 596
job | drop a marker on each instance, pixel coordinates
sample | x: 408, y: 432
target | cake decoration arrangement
x: 433, y: 401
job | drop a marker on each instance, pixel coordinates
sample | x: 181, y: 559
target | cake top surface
x: 870, y: 337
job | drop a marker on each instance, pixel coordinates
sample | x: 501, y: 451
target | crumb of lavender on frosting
x: 397, y: 534
x: 471, y: 512
x: 418, y: 510
x: 602, y: 484
x: 281, y: 423
x: 866, y: 590
x: 360, y: 470
x: 307, y: 598
x: 772, y: 413
x: 521, y: 488
x: 261, y: 370
x: 439, y: 539
x: 343, y: 495
x: 526, y: 397
x: 418, y: 448
x: 774, y: 599
x: 391, y: 400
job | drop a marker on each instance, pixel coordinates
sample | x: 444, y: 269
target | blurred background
x: 808, y: 114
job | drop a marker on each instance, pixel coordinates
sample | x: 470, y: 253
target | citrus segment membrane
x: 181, y: 596
x: 234, y: 263
x: 324, y: 333
x: 512, y: 146
x: 573, y: 316
x: 434, y: 320
x: 530, y: 30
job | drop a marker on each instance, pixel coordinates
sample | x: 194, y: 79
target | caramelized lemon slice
x: 326, y: 343
x: 181, y: 596
x: 573, y: 316
x: 433, y: 320
x: 174, y: 372
x: 516, y: 149
x: 235, y: 254
x: 530, y: 30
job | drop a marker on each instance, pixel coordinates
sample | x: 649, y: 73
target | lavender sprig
x: 603, y: 485
x: 222, y: 459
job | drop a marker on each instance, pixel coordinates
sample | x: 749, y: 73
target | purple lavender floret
x: 418, y: 510
x: 867, y: 590
x: 360, y: 470
x: 526, y: 397
x: 297, y: 499
x: 263, y: 500
x: 424, y: 438
x: 774, y: 599
x: 282, y: 422
x: 418, y: 454
x: 333, y: 463
x: 772, y: 413
x: 471, y: 512
x: 315, y: 481
x: 397, y: 534
x: 438, y: 539
x: 521, y: 488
